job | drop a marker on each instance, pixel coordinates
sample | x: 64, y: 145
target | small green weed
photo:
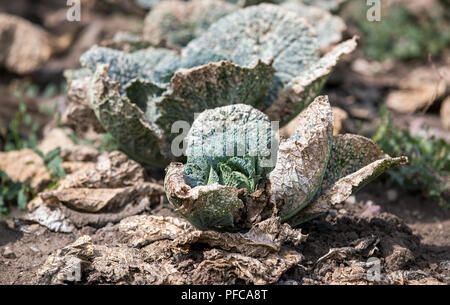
x: 429, y: 159
x: 401, y: 35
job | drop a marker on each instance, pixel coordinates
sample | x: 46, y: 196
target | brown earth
x: 408, y: 235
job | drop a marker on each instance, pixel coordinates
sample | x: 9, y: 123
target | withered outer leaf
x: 302, y: 89
x: 261, y: 271
x: 263, y: 238
x: 235, y: 130
x: 266, y: 32
x: 124, y: 120
x: 96, y: 193
x: 94, y: 200
x: 209, y: 86
x: 159, y: 252
x: 179, y: 21
x: 302, y: 159
x: 59, y: 266
x: 141, y: 230
x: 51, y: 217
x: 112, y: 170
x: 329, y: 28
x: 79, y: 115
x: 211, y: 206
x: 354, y: 162
x: 349, y: 153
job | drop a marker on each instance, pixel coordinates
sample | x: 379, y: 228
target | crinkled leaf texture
x: 272, y: 33
x: 354, y: 162
x: 329, y: 28
x: 313, y: 171
x: 302, y: 89
x: 178, y: 22
x: 124, y: 67
x: 302, y: 159
x: 264, y: 56
x: 212, y: 206
x: 230, y: 145
x: 141, y: 119
x: 229, y: 152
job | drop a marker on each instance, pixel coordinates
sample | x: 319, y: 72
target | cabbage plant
x: 264, y: 56
x: 177, y: 22
x: 229, y: 183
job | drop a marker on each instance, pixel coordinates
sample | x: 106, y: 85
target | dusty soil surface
x: 408, y: 235
x: 414, y: 245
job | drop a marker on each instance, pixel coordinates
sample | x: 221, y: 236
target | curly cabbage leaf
x: 119, y: 114
x: 272, y: 33
x: 178, y: 22
x: 329, y: 28
x: 141, y: 119
x: 239, y: 172
x: 302, y: 159
x: 212, y: 206
x: 313, y: 171
x: 354, y: 162
x: 124, y: 67
x: 264, y: 56
x: 230, y: 145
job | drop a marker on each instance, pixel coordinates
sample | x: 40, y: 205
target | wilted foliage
x: 178, y: 22
x: 245, y: 57
x: 313, y: 169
